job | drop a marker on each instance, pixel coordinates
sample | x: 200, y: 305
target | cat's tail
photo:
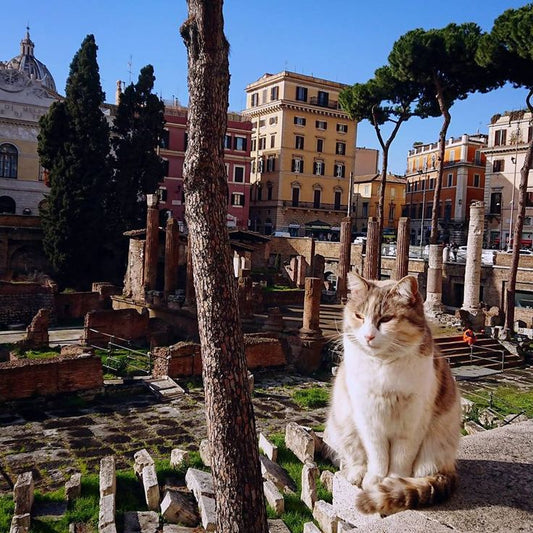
x: 398, y: 494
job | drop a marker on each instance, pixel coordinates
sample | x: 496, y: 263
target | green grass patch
x: 504, y: 400
x: 311, y: 398
x: 280, y: 288
x: 7, y: 507
x: 45, y: 353
x: 119, y: 362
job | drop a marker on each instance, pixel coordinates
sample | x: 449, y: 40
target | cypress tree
x: 74, y: 149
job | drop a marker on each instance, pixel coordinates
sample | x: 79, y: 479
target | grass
x: 312, y: 397
x: 123, y: 362
x: 45, y: 353
x: 504, y: 400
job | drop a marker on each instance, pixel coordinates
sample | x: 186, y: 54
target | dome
x: 26, y: 62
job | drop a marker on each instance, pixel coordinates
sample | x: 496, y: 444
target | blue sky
x: 340, y: 40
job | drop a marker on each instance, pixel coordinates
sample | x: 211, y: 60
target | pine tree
x: 138, y: 169
x: 74, y: 147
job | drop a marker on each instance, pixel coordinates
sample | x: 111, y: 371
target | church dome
x: 26, y: 62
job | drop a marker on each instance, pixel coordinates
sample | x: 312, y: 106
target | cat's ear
x: 356, y: 283
x: 407, y: 289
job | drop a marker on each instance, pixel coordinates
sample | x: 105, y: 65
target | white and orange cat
x: 394, y: 419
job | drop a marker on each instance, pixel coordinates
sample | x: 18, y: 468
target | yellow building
x: 302, y: 151
x: 366, y: 198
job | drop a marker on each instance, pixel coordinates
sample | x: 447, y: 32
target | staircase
x: 487, y: 356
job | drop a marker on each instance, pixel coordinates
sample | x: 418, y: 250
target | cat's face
x: 385, y: 318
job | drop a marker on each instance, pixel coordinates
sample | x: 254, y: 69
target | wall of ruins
x: 25, y: 378
x: 20, y: 302
x: 99, y: 326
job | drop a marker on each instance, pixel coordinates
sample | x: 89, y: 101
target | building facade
x: 463, y: 181
x: 303, y: 148
x: 27, y: 89
x: 236, y: 158
x: 509, y: 137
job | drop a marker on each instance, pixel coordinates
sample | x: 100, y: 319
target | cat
x: 395, y: 414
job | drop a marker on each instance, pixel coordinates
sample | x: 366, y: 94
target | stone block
x: 178, y: 457
x: 269, y: 449
x: 141, y: 459
x: 277, y: 526
x: 325, y: 515
x: 273, y: 472
x: 20, y: 523
x: 208, y: 517
x: 106, y: 514
x: 309, y: 476
x: 178, y: 509
x: 326, y: 479
x: 108, y: 480
x: 199, y: 483
x: 300, y: 442
x: 141, y: 522
x: 344, y: 496
x: 23, y: 492
x: 73, y: 487
x: 151, y: 487
x: 274, y: 497
x: 344, y: 527
x: 110, y: 528
x: 466, y: 406
x: 309, y: 527
x: 205, y: 452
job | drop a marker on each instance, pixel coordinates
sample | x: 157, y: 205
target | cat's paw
x: 354, y: 474
x: 371, y: 481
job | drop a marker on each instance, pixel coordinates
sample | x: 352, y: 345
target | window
x: 367, y: 190
x: 271, y: 163
x: 237, y: 199
x: 340, y: 148
x: 364, y: 210
x: 8, y: 161
x: 240, y: 143
x: 165, y: 138
x: 238, y: 174
x: 301, y: 94
x: 260, y: 165
x: 498, y: 165
x: 431, y: 183
x: 340, y: 170
x: 269, y: 190
x: 259, y: 193
x: 162, y: 194
x: 227, y: 142
x: 295, y: 196
x: 321, y: 124
x: 274, y: 93
x: 529, y: 199
x: 299, y: 142
x: 323, y: 98
x: 320, y: 145
x: 316, y: 198
x: 318, y: 168
x: 448, y: 210
x: 226, y: 166
x: 392, y: 209
x: 450, y: 180
x: 165, y: 167
x: 262, y: 143
x: 272, y: 141
x: 451, y: 156
x: 342, y: 128
x: 297, y: 165
x: 477, y: 180
x: 254, y: 100
x: 299, y: 121
x: 7, y: 205
x: 273, y: 120
x: 500, y: 136
x: 337, y: 201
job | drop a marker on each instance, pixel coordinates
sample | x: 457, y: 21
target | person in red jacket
x: 469, y: 336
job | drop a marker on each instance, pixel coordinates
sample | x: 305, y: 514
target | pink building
x: 236, y: 157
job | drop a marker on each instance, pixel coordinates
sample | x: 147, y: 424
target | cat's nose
x: 369, y: 337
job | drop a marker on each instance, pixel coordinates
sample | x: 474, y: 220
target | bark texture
x: 230, y: 421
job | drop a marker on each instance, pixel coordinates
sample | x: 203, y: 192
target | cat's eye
x: 385, y: 319
x: 359, y: 316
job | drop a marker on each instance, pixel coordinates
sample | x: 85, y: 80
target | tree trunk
x: 231, y: 430
x: 517, y: 234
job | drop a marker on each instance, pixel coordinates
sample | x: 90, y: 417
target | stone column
x: 471, y: 302
x: 373, y: 242
x: 401, y: 267
x: 344, y: 258
x: 433, y: 304
x: 151, y: 244
x: 312, y: 257
x: 171, y: 256
x: 301, y: 268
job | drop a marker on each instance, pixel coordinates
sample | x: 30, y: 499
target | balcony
x: 330, y: 104
x: 311, y: 205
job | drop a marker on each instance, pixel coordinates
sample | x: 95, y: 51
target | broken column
x: 37, y: 331
x: 433, y: 304
x: 23, y: 493
x: 471, y: 302
x: 401, y: 267
x: 301, y: 269
x: 344, y: 258
x: 373, y: 242
x: 171, y: 256
x: 151, y: 244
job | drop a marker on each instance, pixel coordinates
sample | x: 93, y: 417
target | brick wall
x: 20, y: 302
x: 184, y: 358
x: 122, y: 323
x: 47, y: 377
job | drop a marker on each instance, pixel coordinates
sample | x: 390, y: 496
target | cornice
x: 281, y: 105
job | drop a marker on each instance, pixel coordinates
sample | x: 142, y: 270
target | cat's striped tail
x: 398, y: 494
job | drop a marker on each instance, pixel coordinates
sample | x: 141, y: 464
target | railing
x: 330, y: 104
x: 487, y: 359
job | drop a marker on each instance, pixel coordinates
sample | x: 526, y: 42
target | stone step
x: 165, y: 389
